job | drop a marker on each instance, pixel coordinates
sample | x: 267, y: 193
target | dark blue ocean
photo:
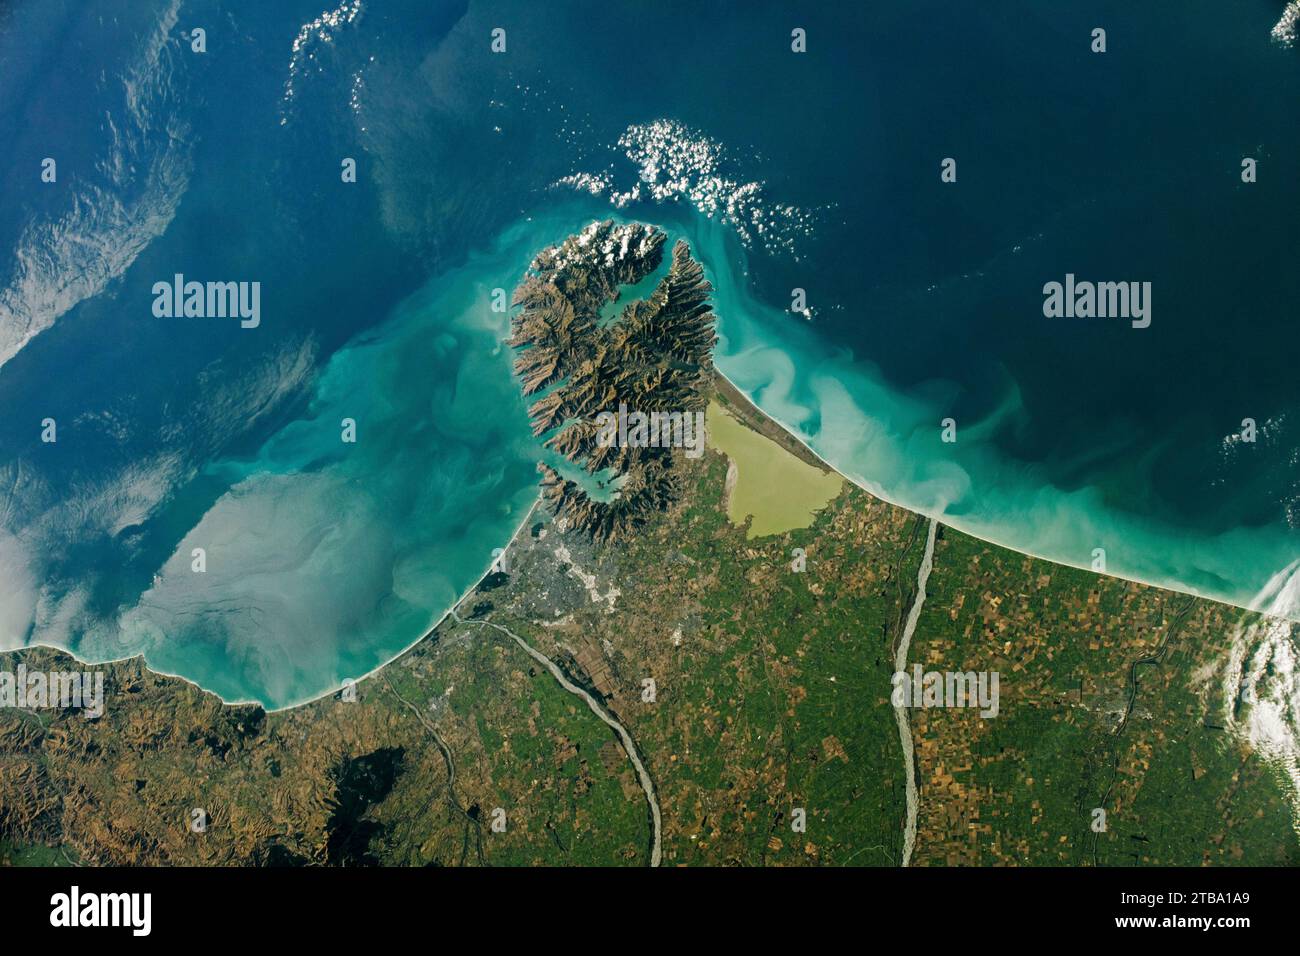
x: 816, y: 170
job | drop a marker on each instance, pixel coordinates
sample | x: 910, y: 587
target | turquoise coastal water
x: 435, y: 399
x: 348, y: 551
x: 820, y: 171
x: 890, y: 443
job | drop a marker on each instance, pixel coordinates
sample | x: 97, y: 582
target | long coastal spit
x: 700, y: 668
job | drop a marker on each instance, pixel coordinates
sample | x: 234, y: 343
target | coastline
x: 796, y: 444
x: 754, y: 416
x: 427, y: 632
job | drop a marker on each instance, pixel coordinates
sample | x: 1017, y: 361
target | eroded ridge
x: 621, y: 398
